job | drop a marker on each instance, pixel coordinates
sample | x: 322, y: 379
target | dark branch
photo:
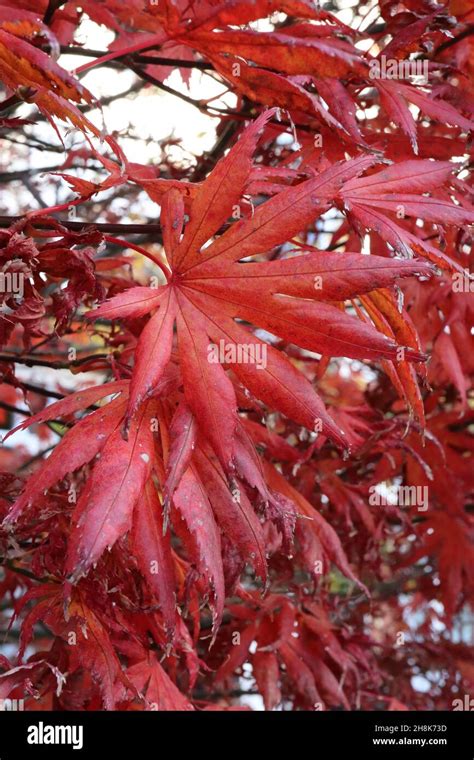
x: 14, y: 409
x: 53, y: 6
x: 143, y: 59
x: 454, y: 40
x: 123, y: 229
x: 201, y: 106
x: 35, y: 389
x: 36, y: 361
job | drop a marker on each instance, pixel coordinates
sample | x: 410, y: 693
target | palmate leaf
x: 209, y: 289
x: 310, y: 661
x: 103, y: 515
x: 156, y: 687
x: 75, y: 621
x: 449, y: 538
x: 380, y: 200
x: 79, y: 445
x: 54, y: 90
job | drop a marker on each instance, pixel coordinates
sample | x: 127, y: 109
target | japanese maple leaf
x: 400, y: 191
x: 93, y: 643
x: 156, y: 687
x: 210, y: 292
x: 448, y: 537
x: 394, y: 96
x: 23, y: 65
x: 102, y: 515
x: 309, y: 660
x: 79, y: 445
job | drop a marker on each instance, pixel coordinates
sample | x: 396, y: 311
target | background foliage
x: 183, y: 534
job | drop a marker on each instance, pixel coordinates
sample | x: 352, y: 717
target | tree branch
x: 454, y: 40
x: 144, y: 59
x: 35, y: 361
x: 53, y: 6
x: 123, y: 229
x: 14, y: 409
x: 191, y: 101
x: 34, y: 389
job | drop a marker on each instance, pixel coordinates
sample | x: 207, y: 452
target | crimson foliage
x: 267, y: 485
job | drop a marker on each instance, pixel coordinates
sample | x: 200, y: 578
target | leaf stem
x: 156, y: 39
x: 143, y: 251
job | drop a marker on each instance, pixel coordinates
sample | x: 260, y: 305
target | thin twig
x: 34, y: 389
x: 144, y: 59
x: 454, y: 40
x: 35, y: 361
x: 139, y: 249
x: 53, y: 6
x: 191, y: 101
x: 123, y: 229
x: 27, y: 573
x: 14, y: 409
x: 37, y: 456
